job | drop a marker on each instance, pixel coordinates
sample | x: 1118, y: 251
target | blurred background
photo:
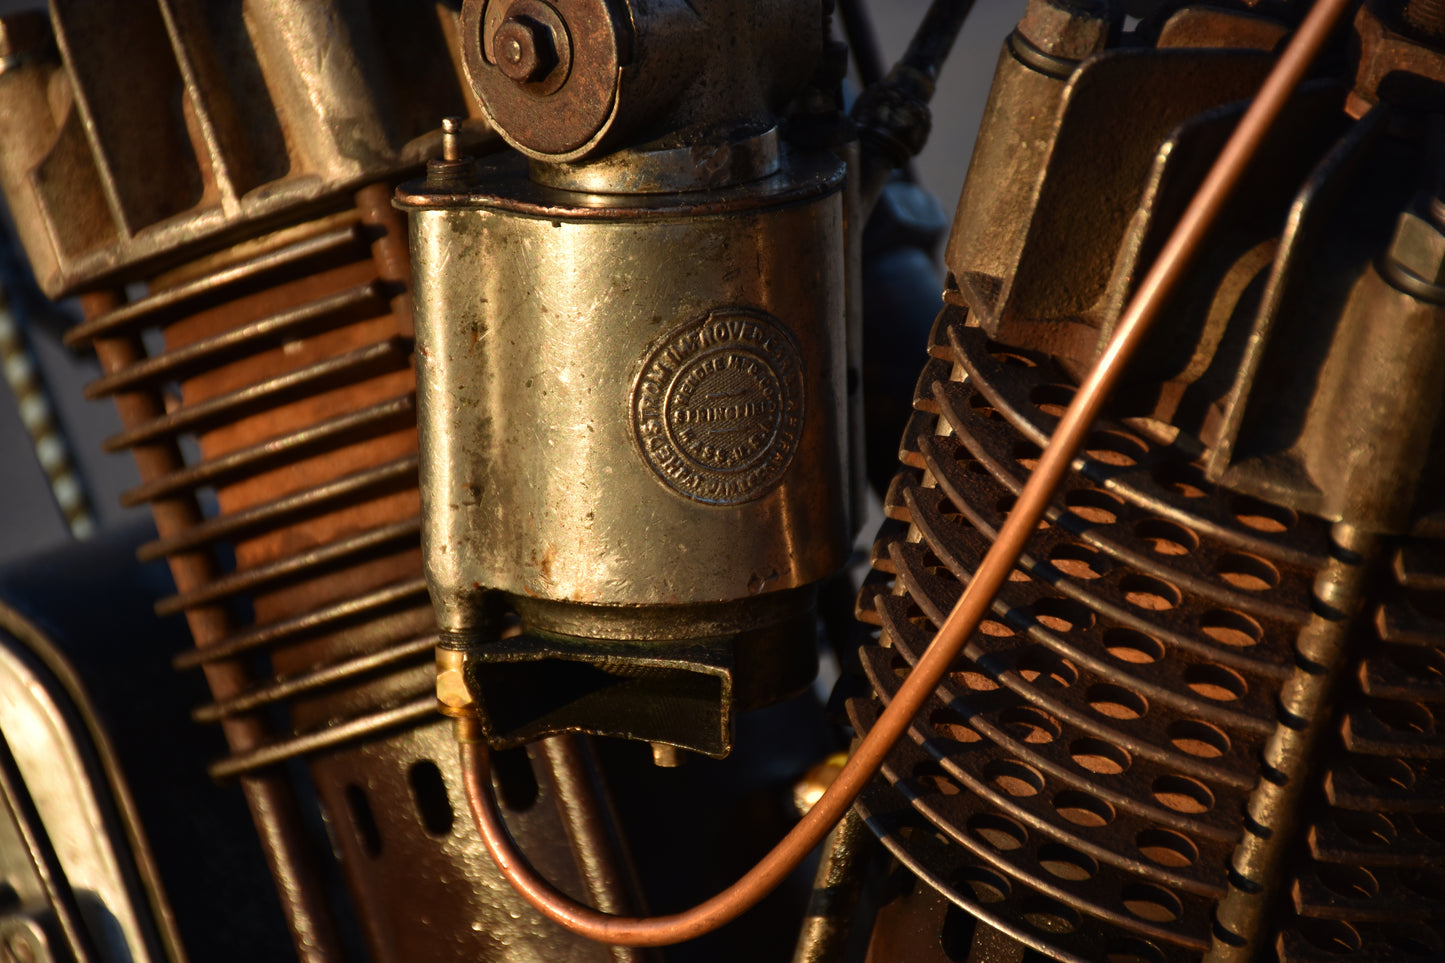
x: 29, y: 517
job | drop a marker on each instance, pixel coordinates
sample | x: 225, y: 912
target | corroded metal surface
x: 185, y: 123
x: 1099, y: 745
x: 1098, y: 742
x: 693, y: 418
x: 1202, y: 720
x: 266, y: 367
x: 1198, y: 725
x: 308, y: 329
x: 575, y: 79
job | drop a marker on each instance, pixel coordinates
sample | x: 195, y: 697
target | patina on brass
x: 1200, y: 722
x: 576, y: 79
x: 642, y: 453
x: 218, y: 176
x: 632, y: 371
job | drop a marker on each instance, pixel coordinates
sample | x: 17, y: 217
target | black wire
x: 935, y: 36
x: 862, y: 40
x: 892, y: 114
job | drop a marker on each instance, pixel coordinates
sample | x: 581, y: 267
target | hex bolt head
x: 1068, y: 29
x: 526, y: 50
x: 1419, y: 248
x: 452, y: 689
x: 452, y: 693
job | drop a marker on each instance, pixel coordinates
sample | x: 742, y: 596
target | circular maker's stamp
x: 718, y: 406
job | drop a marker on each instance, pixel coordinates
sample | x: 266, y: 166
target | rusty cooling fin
x: 1200, y: 723
x: 285, y: 363
x: 288, y: 362
x: 1080, y: 780
x: 280, y: 380
x: 224, y: 195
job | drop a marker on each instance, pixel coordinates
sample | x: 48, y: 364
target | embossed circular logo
x: 718, y: 406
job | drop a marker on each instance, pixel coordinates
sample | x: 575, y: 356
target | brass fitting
x: 453, y: 697
x: 813, y: 783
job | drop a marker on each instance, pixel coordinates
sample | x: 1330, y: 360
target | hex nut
x: 1385, y: 51
x: 526, y: 50
x: 1068, y: 29
x: 1418, y: 247
x: 452, y: 690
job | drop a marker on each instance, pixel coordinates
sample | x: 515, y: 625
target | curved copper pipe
x: 1168, y: 269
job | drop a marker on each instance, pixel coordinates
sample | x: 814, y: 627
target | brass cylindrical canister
x: 633, y: 433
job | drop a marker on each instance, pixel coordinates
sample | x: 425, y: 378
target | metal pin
x: 451, y: 138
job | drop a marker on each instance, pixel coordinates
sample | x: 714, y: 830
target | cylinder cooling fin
x: 566, y: 440
x: 281, y: 386
x: 1200, y: 720
x: 1083, y: 778
x: 221, y: 198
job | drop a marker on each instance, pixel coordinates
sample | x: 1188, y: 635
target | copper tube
x: 1168, y: 269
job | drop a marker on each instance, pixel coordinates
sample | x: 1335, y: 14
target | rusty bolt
x: 1387, y: 53
x: 1418, y: 248
x: 526, y: 49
